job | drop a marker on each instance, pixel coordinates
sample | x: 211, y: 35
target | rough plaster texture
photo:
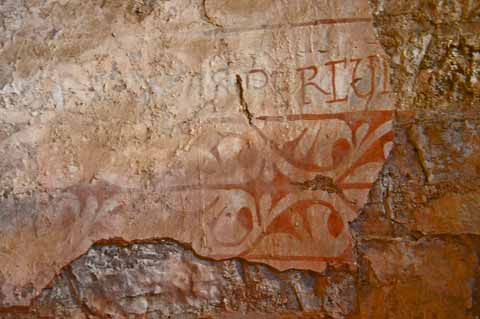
x: 80, y: 160
x: 195, y: 121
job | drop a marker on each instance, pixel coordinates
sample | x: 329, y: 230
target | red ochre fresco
x: 348, y: 156
x: 249, y: 225
x: 277, y: 182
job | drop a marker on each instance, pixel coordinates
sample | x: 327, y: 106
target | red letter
x: 371, y: 66
x: 334, y: 85
x: 305, y: 84
x: 265, y: 81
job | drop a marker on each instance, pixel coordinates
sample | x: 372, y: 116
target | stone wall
x: 415, y: 244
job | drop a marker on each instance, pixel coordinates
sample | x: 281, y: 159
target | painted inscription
x: 259, y: 138
x: 280, y: 183
x: 366, y: 77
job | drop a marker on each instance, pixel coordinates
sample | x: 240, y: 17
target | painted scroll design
x: 276, y: 182
x: 288, y: 181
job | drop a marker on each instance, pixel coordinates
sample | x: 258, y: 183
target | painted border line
x: 331, y: 21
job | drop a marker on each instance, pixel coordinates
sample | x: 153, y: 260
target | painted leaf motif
x: 335, y: 224
x: 231, y: 229
x: 293, y: 222
x: 340, y: 151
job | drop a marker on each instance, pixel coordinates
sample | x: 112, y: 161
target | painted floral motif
x: 287, y: 188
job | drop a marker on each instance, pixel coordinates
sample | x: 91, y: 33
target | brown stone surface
x: 164, y: 279
x: 433, y: 277
x: 105, y: 131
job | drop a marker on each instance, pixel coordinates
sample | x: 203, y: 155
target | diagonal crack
x: 243, y: 103
x: 207, y: 18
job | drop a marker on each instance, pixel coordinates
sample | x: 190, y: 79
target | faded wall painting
x: 252, y: 131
